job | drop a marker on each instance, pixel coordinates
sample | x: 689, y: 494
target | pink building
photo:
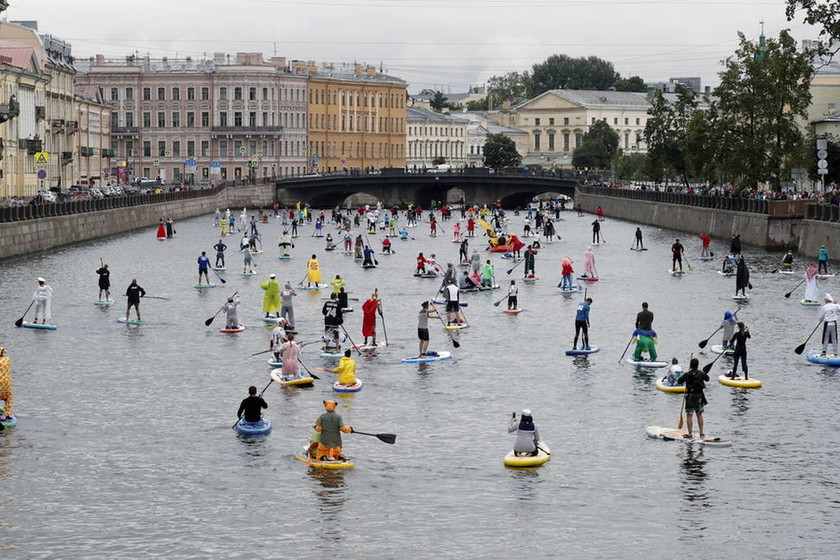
x: 202, y: 121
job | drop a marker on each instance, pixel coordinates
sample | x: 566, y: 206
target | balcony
x: 66, y: 156
x: 71, y: 126
x: 246, y: 129
x: 125, y: 130
x: 87, y: 152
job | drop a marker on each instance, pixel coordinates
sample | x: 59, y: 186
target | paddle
x: 703, y: 343
x: 19, y: 322
x: 347, y: 334
x: 258, y: 353
x: 210, y: 320
x: 305, y: 276
x: 385, y: 438
x: 455, y: 343
x: 496, y: 303
x: 376, y: 262
x: 801, y: 347
x: 541, y: 449
x: 219, y: 276
x: 514, y: 266
x: 382, y: 316
x: 308, y: 371
x: 261, y: 394
x: 787, y: 295
x: 708, y: 367
x: 682, y: 406
x: 625, y: 349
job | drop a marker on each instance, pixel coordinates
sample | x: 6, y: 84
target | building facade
x: 481, y: 124
x: 357, y: 118
x: 202, y: 121
x: 93, y: 150
x: 433, y: 138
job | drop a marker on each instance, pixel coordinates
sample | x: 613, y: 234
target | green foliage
x: 833, y: 160
x: 478, y: 105
x: 666, y: 134
x: 500, y: 152
x: 438, y: 102
x: 510, y: 87
x: 633, y: 83
x: 825, y: 14
x: 560, y: 71
x: 598, y: 147
x: 631, y: 167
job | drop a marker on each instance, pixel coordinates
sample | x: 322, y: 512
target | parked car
x: 96, y: 193
x: 47, y: 196
x: 80, y: 195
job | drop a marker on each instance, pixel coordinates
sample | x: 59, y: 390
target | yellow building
x: 356, y: 118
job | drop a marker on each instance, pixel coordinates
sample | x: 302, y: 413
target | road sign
x: 42, y: 158
x: 167, y: 153
x: 822, y: 164
x: 242, y: 150
x: 42, y: 173
x: 215, y: 164
x: 822, y: 154
x: 189, y: 169
x: 190, y: 162
x: 155, y: 162
x: 822, y: 144
x: 822, y: 171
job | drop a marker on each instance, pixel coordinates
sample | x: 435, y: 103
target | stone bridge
x: 396, y: 187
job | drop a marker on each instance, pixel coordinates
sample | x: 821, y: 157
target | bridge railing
x: 775, y: 208
x: 823, y: 213
x: 69, y: 207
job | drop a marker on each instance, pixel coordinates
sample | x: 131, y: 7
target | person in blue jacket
x: 822, y: 260
x: 203, y: 265
x: 582, y: 324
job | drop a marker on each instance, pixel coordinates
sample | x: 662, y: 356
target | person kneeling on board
x: 330, y: 427
x: 674, y: 372
x: 695, y: 399
x: 231, y: 315
x: 252, y: 406
x: 527, y: 435
x: 346, y: 370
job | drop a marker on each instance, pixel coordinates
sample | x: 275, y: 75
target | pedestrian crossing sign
x: 42, y: 158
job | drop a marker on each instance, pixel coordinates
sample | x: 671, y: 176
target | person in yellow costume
x: 5, y: 384
x: 346, y: 370
x: 271, y: 298
x: 337, y: 283
x: 313, y: 275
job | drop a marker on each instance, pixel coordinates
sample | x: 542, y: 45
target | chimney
x: 219, y: 58
x: 100, y: 60
x: 242, y: 58
x: 371, y: 71
x: 357, y: 69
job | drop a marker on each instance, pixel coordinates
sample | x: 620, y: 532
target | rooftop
x: 418, y: 114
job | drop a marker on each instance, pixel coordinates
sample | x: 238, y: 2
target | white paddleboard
x: 429, y: 357
x: 673, y: 434
x: 646, y: 364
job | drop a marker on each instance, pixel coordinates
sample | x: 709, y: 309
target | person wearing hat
x: 5, y: 383
x: 286, y: 309
x: 279, y: 336
x: 271, y: 298
x: 43, y: 301
x: 527, y: 435
x: 677, y: 251
x: 231, y: 315
x: 822, y: 259
x: 370, y: 308
x: 133, y: 294
x: 284, y: 243
x: 104, y: 281
x: 252, y: 406
x: 530, y: 259
x: 829, y: 314
x: 203, y: 266
x: 346, y: 369
x: 728, y: 326
x: 313, y: 274
x: 330, y: 426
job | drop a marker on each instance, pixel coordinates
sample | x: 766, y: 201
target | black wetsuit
x: 252, y: 406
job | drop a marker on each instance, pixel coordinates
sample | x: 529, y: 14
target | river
x: 125, y: 447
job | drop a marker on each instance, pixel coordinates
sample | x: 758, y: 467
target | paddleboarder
x: 386, y: 246
x: 421, y: 264
x: 252, y: 406
x: 728, y: 326
x: 170, y: 228
x: 367, y: 260
x: 449, y: 276
x: 313, y: 274
x: 596, y: 232
x: 463, y: 253
x: 333, y: 316
x: 811, y: 288
x: 337, y: 283
x: 247, y: 261
x: 527, y: 434
x: 530, y: 259
x: 787, y: 261
x: 231, y: 315
x: 134, y: 292
x: 739, y: 343
x: 638, y: 244
x: 742, y: 278
x: 589, y: 263
x: 357, y: 247
x: 43, y: 302
x: 290, y: 354
x: 644, y: 335
x: 822, y: 259
x: 161, y: 230
x: 5, y: 384
x: 735, y: 245
x: 220, y: 254
x: 828, y: 314
x: 284, y: 242
x: 346, y: 369
x: 582, y: 324
x: 674, y: 372
x: 279, y: 336
x: 370, y: 309
x: 271, y: 297
x: 513, y: 292
x: 330, y: 426
x: 695, y: 400
x: 203, y: 266
x: 706, y: 241
x: 677, y: 250
x: 453, y: 309
x: 423, y: 327
x: 475, y: 262
x: 566, y: 271
x: 104, y: 281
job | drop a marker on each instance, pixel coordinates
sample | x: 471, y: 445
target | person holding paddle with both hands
x: 694, y: 399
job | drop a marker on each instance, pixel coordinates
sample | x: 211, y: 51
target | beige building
x: 480, y: 126
x: 432, y: 137
x: 201, y: 121
x: 557, y: 120
x: 93, y: 150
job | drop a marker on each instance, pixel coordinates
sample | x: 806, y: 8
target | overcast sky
x: 441, y: 44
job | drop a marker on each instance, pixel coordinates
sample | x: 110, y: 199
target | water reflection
x: 740, y: 401
x: 331, y: 494
x: 694, y: 475
x: 254, y: 449
x: 525, y: 483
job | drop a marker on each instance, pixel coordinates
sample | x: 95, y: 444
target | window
x: 550, y: 121
x: 252, y: 118
x: 551, y: 142
x: 129, y: 148
x: 176, y: 94
x: 205, y: 148
x: 223, y: 148
x: 223, y: 118
x: 537, y: 141
x: 237, y: 148
x: 265, y: 94
x: 265, y: 119
x: 205, y: 119
x: 222, y: 94
x: 176, y: 120
x: 115, y: 120
x: 578, y: 139
x: 626, y: 140
x: 161, y: 148
x: 615, y: 120
x: 191, y: 148
x: 147, y: 149
x: 205, y: 94
x: 252, y: 94
x: 147, y: 94
x: 115, y: 94
x: 237, y: 93
x: 190, y: 94
x: 129, y: 94
x: 566, y: 120
x: 161, y: 119
x: 593, y: 120
x: 161, y: 96
x: 129, y: 119
x: 626, y: 120
x: 190, y: 119
x: 638, y: 121
x: 176, y: 148
x: 237, y: 118
x: 147, y: 119
x: 537, y: 122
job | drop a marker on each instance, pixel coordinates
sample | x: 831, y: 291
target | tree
x: 500, y: 152
x: 598, y: 147
x: 764, y: 88
x: 560, y: 71
x: 478, y: 105
x: 666, y: 134
x: 438, y: 102
x: 509, y: 87
x: 633, y: 83
x: 824, y: 13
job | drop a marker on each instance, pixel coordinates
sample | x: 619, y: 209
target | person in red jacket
x: 370, y: 308
x: 421, y: 264
x: 706, y: 241
x: 515, y: 245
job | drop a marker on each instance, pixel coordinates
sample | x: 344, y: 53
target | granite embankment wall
x: 759, y: 229
x: 17, y: 238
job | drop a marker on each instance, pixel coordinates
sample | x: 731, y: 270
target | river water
x: 125, y: 447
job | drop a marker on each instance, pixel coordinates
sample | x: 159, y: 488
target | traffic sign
x: 42, y: 158
x: 822, y: 164
x: 42, y: 173
x: 242, y: 150
x: 822, y: 154
x: 215, y: 164
x: 822, y: 171
x: 190, y: 162
x: 155, y: 162
x: 822, y: 144
x: 167, y: 153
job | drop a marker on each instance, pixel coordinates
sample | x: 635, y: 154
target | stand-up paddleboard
x: 785, y: 271
x: 704, y: 258
x: 313, y: 287
x: 513, y: 460
x: 379, y: 344
x: 426, y: 275
x: 388, y: 253
x: 574, y: 290
x: 722, y: 273
x: 41, y: 326
x: 815, y: 357
x: 333, y: 355
x: 583, y: 351
x: 302, y: 380
x: 203, y: 286
x: 485, y: 288
x: 456, y: 327
x: 130, y: 321
x: 742, y: 299
x: 673, y: 434
x: 8, y: 421
x: 513, y: 311
x: 329, y: 465
x: 588, y: 278
x: 739, y: 381
x: 530, y: 279
x: 824, y: 276
x: 238, y: 329
x: 431, y: 356
x: 640, y: 250
x: 247, y: 273
x: 347, y: 310
x: 275, y: 363
x: 272, y: 320
x: 368, y: 266
x: 284, y: 257
x: 718, y: 349
x: 664, y: 385
x: 104, y: 302
x: 807, y: 303
x: 646, y: 363
x: 443, y: 302
x: 673, y: 272
x: 354, y: 388
x: 260, y: 252
x: 456, y: 241
x: 253, y: 428
x: 219, y: 268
